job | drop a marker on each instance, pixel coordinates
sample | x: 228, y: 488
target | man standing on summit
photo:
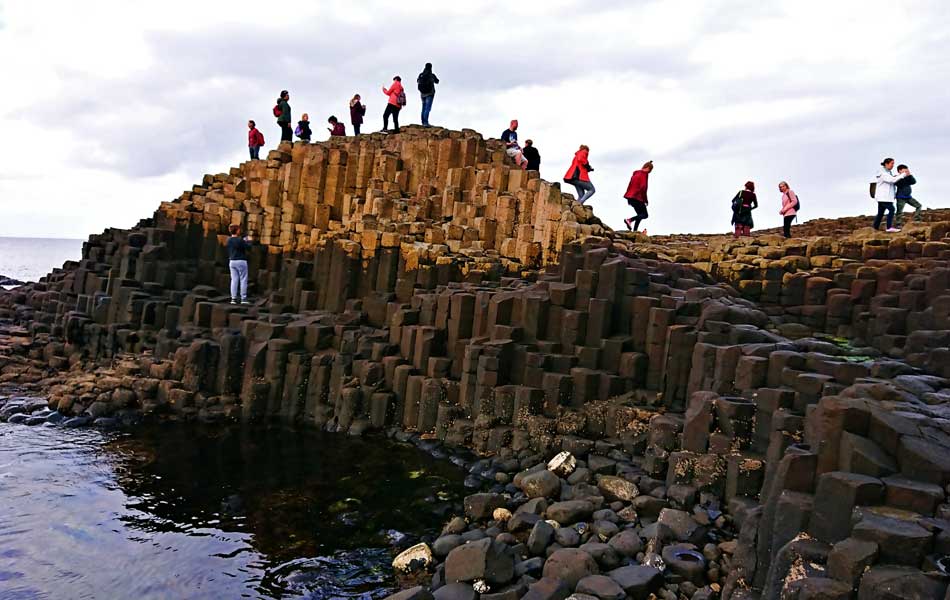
x: 426, y: 82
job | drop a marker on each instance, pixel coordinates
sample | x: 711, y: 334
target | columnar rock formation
x: 420, y: 282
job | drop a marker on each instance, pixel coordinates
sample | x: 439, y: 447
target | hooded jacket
x: 357, y: 110
x: 426, y: 82
x: 579, y: 168
x: 284, y: 111
x: 886, y: 185
x: 305, y: 132
x: 393, y: 92
x: 637, y: 188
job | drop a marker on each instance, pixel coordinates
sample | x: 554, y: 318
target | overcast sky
x: 110, y: 107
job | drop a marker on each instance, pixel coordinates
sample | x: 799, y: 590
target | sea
x: 28, y: 259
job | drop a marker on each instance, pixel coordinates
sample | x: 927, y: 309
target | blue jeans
x: 238, y: 278
x: 426, y: 108
x: 255, y: 152
x: 585, y: 190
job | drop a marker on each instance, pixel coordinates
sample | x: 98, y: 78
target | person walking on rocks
x: 790, y: 207
x: 512, y: 148
x: 303, y: 128
x: 336, y: 128
x: 532, y: 156
x: 357, y: 110
x: 255, y: 139
x: 904, y: 196
x: 884, y: 190
x: 637, y: 195
x: 282, y: 112
x: 743, y: 204
x: 578, y: 175
x: 426, y: 82
x: 397, y: 99
x: 237, y: 262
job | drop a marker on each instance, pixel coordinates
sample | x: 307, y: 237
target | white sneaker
x: 893, y: 230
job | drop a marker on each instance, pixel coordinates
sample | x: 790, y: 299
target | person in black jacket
x: 531, y: 153
x: 742, y: 206
x: 904, y: 196
x: 237, y: 263
x: 426, y: 82
x: 282, y: 112
x: 303, y: 128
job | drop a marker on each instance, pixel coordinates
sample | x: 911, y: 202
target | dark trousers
x: 356, y: 128
x: 642, y: 213
x: 394, y: 111
x: 787, y: 227
x: 286, y: 133
x: 881, y: 208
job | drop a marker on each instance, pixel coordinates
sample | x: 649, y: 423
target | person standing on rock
x: 426, y: 82
x: 884, y: 190
x: 904, y: 196
x: 512, y: 148
x: 532, y: 156
x: 303, y: 128
x: 578, y: 174
x: 282, y: 112
x: 357, y: 110
x: 336, y: 128
x: 637, y: 195
x: 743, y: 204
x: 397, y: 99
x: 789, y: 208
x: 255, y: 139
x: 237, y: 262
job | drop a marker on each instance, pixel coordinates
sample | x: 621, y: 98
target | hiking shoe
x: 245, y: 301
x: 234, y: 301
x: 892, y: 230
x: 627, y: 223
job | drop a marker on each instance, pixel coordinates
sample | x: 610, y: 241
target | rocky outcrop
x: 773, y: 411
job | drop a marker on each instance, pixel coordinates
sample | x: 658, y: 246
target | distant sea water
x: 28, y: 259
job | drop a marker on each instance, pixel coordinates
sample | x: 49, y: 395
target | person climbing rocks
x: 303, y: 128
x: 282, y: 112
x: 884, y: 190
x: 237, y: 262
x: 255, y: 139
x: 512, y: 148
x: 578, y: 175
x: 637, y: 195
x: 336, y: 128
x: 904, y: 197
x: 743, y: 204
x: 397, y: 99
x: 532, y: 156
x: 789, y: 208
x: 426, y: 82
x: 357, y: 110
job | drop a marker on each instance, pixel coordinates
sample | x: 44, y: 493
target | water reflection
x: 192, y: 512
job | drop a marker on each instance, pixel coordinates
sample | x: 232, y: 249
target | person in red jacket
x: 397, y: 99
x: 255, y: 139
x: 336, y: 128
x: 637, y: 195
x: 578, y: 174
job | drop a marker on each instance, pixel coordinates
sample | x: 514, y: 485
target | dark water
x: 190, y: 512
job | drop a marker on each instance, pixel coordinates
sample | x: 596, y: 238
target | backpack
x: 401, y: 98
x: 298, y: 131
x: 798, y: 203
x: 737, y: 201
x: 277, y: 111
x: 873, y: 189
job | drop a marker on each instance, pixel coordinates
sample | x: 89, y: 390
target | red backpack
x: 277, y: 111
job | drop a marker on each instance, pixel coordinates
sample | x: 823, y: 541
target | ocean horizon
x: 28, y: 259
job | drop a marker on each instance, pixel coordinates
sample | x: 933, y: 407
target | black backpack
x: 798, y: 203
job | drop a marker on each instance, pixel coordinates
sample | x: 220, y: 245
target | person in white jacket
x: 885, y: 192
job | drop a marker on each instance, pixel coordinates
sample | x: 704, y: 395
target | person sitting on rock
x: 237, y: 263
x: 532, y: 156
x: 637, y: 195
x: 578, y: 174
x: 397, y: 99
x: 885, y: 191
x: 512, y: 149
x: 743, y: 204
x: 789, y: 208
x: 255, y: 139
x: 904, y: 196
x: 303, y: 128
x: 336, y: 128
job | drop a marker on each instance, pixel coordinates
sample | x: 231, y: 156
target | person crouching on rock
x: 578, y: 175
x: 336, y: 128
x: 255, y: 139
x: 237, y: 262
x: 789, y: 208
x: 742, y: 206
x: 637, y: 195
x: 303, y: 128
x: 282, y: 112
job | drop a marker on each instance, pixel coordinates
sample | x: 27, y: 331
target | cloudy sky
x: 110, y: 107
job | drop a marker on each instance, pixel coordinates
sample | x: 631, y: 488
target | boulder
x: 570, y: 565
x: 617, y: 488
x: 481, y: 506
x: 638, y: 581
x: 570, y: 511
x: 485, y: 559
x: 416, y: 558
x: 540, y: 484
x: 600, y: 586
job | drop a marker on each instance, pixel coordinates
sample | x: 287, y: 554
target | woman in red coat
x: 637, y: 195
x: 578, y: 176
